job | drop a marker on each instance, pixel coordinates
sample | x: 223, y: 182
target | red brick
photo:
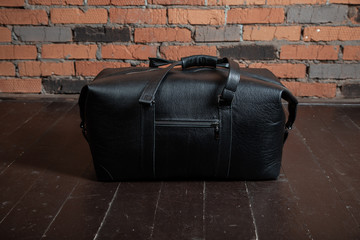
x: 345, y: 1
x: 325, y: 33
x: 304, y: 52
x: 351, y: 53
x: 142, y: 52
x: 5, y: 34
x: 235, y: 2
x: 177, y: 52
x: 283, y: 70
x: 99, y: 2
x: 87, y: 68
x: 256, y: 15
x: 196, y: 16
x: 177, y: 2
x: 56, y: 2
x: 7, y: 69
x: 35, y: 68
x: 117, y: 2
x: 69, y: 51
x: 128, y: 2
x: 138, y: 15
x: 12, y: 3
x: 75, y: 15
x: 162, y: 35
x: 18, y: 52
x: 269, y: 33
x: 300, y: 89
x: 23, y: 16
x: 20, y: 85
x: 292, y: 2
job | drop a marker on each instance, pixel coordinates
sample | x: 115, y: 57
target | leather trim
x: 225, y: 142
x: 149, y: 92
x: 232, y: 82
x: 198, y: 60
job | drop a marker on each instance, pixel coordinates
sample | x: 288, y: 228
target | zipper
x: 191, y: 124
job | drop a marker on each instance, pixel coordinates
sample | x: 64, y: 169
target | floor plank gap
x: 107, y: 212
x: 252, y: 212
x: 58, y: 212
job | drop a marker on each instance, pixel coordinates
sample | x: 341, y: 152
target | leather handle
x: 158, y: 62
x: 227, y: 94
x: 198, y: 60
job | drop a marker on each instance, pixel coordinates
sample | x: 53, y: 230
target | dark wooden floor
x: 48, y: 189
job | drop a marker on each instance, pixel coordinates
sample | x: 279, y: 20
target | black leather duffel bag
x: 208, y: 119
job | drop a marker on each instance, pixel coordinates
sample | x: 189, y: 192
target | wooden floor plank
x: 334, y: 151
x: 342, y: 127
x: 133, y: 212
x: 8, y: 107
x: 49, y: 154
x: 227, y: 211
x: 84, y: 211
x: 275, y: 210
x: 353, y: 112
x: 28, y: 133
x: 179, y: 211
x: 33, y: 214
x: 325, y: 214
x: 35, y: 211
x: 24, y: 113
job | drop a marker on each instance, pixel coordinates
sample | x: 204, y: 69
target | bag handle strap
x: 227, y: 94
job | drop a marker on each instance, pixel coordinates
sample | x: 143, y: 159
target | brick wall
x: 56, y: 46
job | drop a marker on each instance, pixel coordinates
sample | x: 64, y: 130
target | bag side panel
x: 113, y: 125
x: 258, y: 131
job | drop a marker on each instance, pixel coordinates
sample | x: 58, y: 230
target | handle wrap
x: 198, y: 60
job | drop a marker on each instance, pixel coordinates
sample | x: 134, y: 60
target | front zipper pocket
x: 191, y: 124
x: 186, y: 147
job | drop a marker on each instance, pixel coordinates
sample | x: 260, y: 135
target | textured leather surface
x: 194, y: 135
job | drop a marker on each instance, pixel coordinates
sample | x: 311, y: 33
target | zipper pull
x: 216, y: 130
